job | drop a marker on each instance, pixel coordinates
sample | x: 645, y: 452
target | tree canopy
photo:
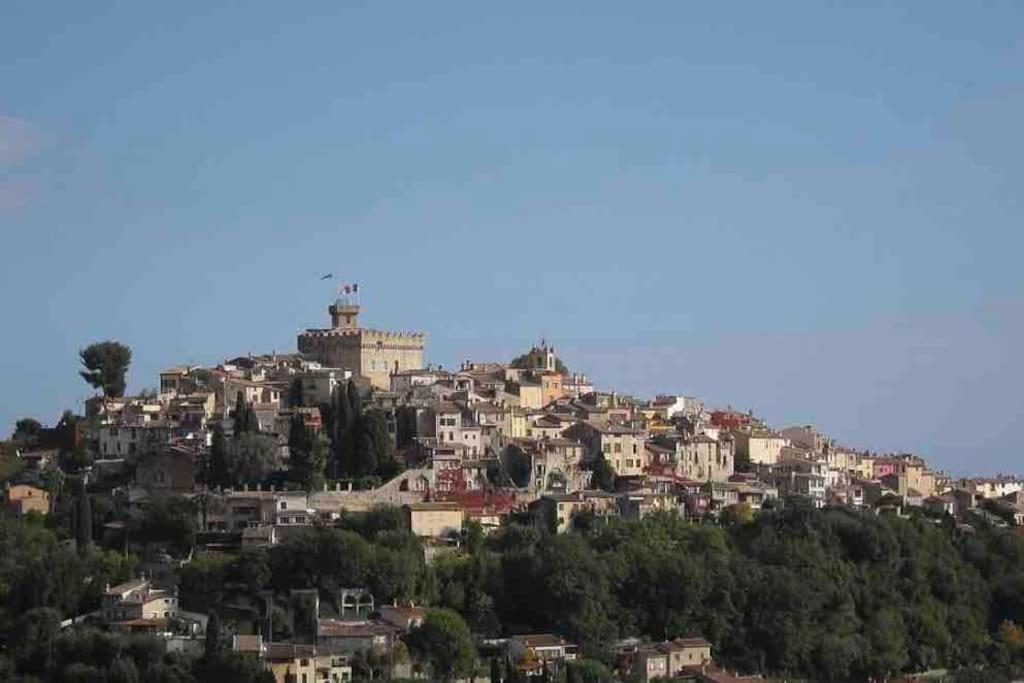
x: 106, y: 364
x: 535, y: 358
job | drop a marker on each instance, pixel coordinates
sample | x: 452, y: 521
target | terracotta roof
x: 542, y: 640
x: 334, y: 628
x: 288, y: 651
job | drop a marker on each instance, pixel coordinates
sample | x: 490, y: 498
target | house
x: 25, y: 498
x: 290, y: 662
x: 708, y: 458
x: 403, y: 618
x: 623, y: 447
x: 434, y: 519
x: 941, y: 504
x: 258, y: 536
x: 688, y: 653
x: 295, y: 663
x: 651, y: 662
x: 130, y: 439
x: 560, y: 509
x: 171, y: 469
x: 679, y: 657
x: 759, y: 446
x: 530, y: 654
x: 340, y: 637
x: 137, y: 601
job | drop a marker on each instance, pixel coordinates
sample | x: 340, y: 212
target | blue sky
x: 811, y: 210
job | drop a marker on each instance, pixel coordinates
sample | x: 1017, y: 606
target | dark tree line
x: 361, y: 444
x: 823, y: 595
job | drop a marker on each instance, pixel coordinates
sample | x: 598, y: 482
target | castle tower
x: 344, y: 316
x: 373, y: 354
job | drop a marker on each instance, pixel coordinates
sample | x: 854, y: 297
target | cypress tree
x: 241, y: 415
x: 603, y: 475
x: 355, y: 402
x: 300, y: 446
x: 83, y: 521
x: 214, y: 637
x: 217, y: 470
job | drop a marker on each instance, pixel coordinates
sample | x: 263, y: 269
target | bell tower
x: 550, y: 364
x: 344, y: 315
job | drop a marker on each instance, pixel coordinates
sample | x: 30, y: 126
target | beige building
x: 374, y: 354
x: 706, y: 459
x: 623, y: 447
x: 24, y: 498
x: 434, y: 519
x: 137, y: 600
x: 760, y: 446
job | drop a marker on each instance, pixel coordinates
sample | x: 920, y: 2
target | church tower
x: 550, y: 365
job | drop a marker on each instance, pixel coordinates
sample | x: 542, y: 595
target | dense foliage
x: 106, y: 364
x: 826, y: 595
x: 535, y: 359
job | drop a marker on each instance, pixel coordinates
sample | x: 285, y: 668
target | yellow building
x: 23, y: 499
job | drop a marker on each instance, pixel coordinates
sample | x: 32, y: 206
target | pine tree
x: 83, y: 522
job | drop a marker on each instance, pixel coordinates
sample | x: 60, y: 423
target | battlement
x: 375, y: 354
x: 366, y: 334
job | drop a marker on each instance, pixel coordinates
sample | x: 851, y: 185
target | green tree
x: 106, y: 364
x: 342, y: 433
x: 295, y: 393
x: 215, y: 642
x: 603, y: 476
x: 83, y: 521
x: 172, y: 521
x: 217, y: 472
x: 445, y: 642
x: 26, y: 431
x: 374, y: 424
x: 251, y: 457
x: 122, y: 670
x: 300, y: 446
x: 319, y: 454
x: 534, y: 359
x: 245, y: 417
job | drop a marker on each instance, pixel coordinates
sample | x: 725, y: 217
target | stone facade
x: 374, y: 354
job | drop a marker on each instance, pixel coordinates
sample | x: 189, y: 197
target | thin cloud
x: 20, y: 141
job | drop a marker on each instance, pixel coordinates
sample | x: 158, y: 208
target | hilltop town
x: 348, y: 511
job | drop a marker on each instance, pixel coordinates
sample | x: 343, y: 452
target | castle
x: 374, y: 354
